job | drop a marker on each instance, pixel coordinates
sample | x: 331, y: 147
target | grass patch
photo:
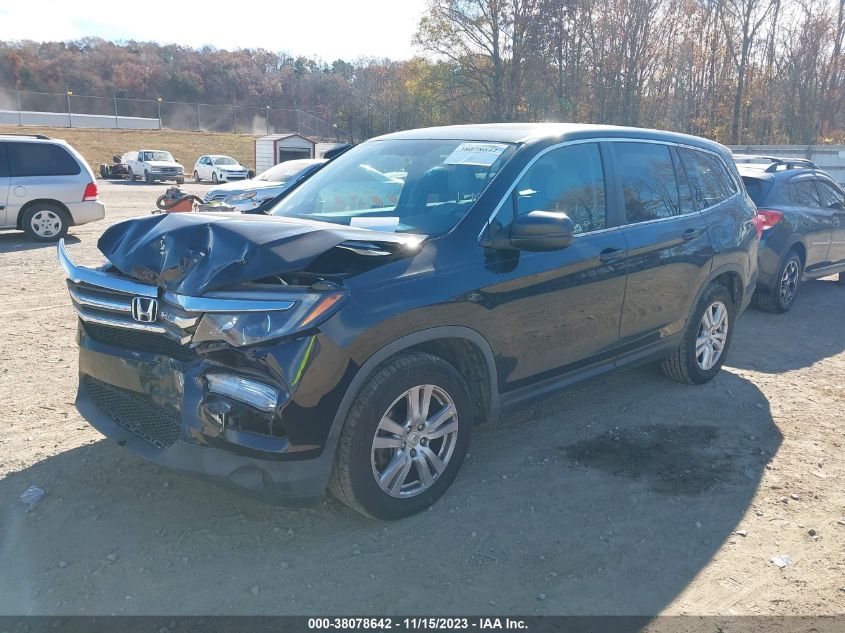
x: 98, y: 145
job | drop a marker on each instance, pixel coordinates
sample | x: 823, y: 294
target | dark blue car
x: 803, y: 214
x: 418, y: 284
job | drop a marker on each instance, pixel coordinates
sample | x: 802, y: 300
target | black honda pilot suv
x: 418, y: 284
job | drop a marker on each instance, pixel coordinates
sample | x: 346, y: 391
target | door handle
x: 691, y: 234
x: 611, y: 255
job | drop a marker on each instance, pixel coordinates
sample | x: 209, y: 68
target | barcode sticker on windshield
x: 484, y: 154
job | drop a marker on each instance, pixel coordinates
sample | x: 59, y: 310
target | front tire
x: 130, y: 175
x: 45, y: 222
x: 214, y: 178
x: 404, y: 439
x: 782, y: 297
x: 703, y: 350
x: 147, y: 178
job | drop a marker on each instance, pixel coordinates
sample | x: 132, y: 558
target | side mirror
x: 541, y: 231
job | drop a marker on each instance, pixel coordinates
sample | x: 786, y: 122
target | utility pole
x: 69, y: 119
x: 20, y: 115
x: 267, y: 117
x: 116, y: 121
x: 199, y: 123
x: 158, y: 108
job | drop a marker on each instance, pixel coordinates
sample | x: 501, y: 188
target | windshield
x: 225, y: 160
x: 408, y: 186
x: 162, y: 156
x: 284, y: 171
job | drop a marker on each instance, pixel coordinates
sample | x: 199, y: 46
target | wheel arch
x: 26, y: 207
x: 798, y: 247
x: 730, y: 276
x: 464, y: 347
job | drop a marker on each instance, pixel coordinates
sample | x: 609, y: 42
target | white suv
x: 45, y: 187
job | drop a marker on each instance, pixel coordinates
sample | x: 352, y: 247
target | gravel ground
x: 626, y: 494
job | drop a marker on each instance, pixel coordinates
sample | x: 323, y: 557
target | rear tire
x: 788, y: 280
x: 45, y: 222
x: 393, y: 461
x: 197, y: 177
x: 690, y: 362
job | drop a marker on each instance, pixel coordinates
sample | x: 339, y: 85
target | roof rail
x: 42, y: 137
x: 777, y: 161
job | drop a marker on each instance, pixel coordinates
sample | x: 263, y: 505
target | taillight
x: 91, y: 193
x: 770, y: 217
x: 766, y: 219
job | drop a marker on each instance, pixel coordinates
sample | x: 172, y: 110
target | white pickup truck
x: 152, y: 165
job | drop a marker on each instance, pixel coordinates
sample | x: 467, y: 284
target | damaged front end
x: 201, y: 348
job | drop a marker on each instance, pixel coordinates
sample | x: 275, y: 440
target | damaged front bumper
x: 250, y: 417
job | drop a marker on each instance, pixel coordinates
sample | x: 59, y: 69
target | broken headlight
x: 248, y: 328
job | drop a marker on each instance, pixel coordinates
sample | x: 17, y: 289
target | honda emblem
x: 144, y: 309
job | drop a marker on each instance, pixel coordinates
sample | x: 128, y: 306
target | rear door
x: 5, y: 181
x: 833, y: 199
x: 669, y: 248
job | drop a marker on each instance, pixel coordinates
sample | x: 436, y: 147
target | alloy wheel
x: 414, y: 441
x: 712, y: 335
x: 788, y: 283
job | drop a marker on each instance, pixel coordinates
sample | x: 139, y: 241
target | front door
x: 812, y: 220
x: 554, y: 311
x: 669, y: 248
x: 833, y: 200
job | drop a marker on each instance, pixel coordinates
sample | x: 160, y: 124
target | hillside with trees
x: 739, y: 71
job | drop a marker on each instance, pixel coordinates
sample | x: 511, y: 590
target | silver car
x: 45, y: 187
x: 246, y: 195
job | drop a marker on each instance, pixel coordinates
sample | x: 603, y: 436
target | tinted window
x: 40, y: 159
x: 804, y: 194
x: 568, y: 179
x: 4, y: 166
x: 710, y: 180
x: 648, y: 181
x: 832, y: 198
x: 756, y: 188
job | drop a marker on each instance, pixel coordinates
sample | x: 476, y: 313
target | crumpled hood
x: 194, y: 253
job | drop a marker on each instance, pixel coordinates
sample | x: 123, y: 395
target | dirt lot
x: 627, y: 494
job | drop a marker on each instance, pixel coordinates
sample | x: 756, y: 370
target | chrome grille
x: 113, y: 308
x: 209, y: 197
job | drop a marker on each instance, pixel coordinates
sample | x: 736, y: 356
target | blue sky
x: 328, y: 29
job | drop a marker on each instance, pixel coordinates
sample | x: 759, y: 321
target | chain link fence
x: 21, y: 107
